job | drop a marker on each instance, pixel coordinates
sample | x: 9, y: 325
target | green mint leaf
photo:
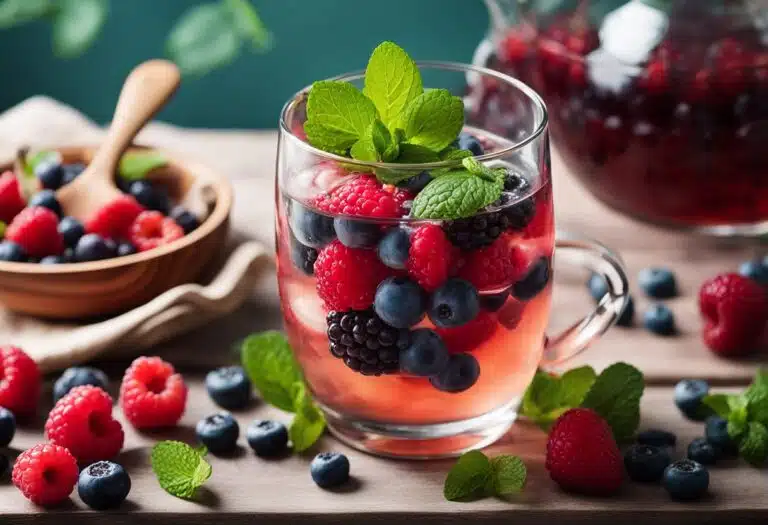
x: 32, y: 160
x: 247, y: 22
x: 481, y: 170
x: 338, y: 114
x: 455, y: 195
x: 574, y: 385
x: 548, y: 396
x: 268, y: 359
x: 433, y: 119
x: 450, y: 154
x: 18, y: 12
x: 392, y: 81
x: 76, y: 24
x: 757, y: 398
x: 508, y: 474
x: 615, y: 395
x: 415, y: 154
x: 754, y: 444
x: 542, y: 395
x: 309, y: 422
x: 179, y: 468
x: 375, y: 145
x: 469, y: 477
x: 364, y: 149
x: 136, y: 165
x: 738, y: 417
x: 719, y: 404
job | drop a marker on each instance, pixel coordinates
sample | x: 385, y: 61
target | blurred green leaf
x: 17, y: 12
x: 76, y: 24
x: 248, y: 23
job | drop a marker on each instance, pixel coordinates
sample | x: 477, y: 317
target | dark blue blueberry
x: 659, y: 320
x: 229, y: 387
x: 659, y: 283
x: 185, y: 218
x: 494, y: 302
x: 356, y: 234
x: 400, y: 302
x: 755, y: 270
x: 92, y: 247
x: 426, y: 355
x: 416, y: 183
x: 627, y: 315
x: 4, y: 464
x: 470, y: 142
x: 49, y: 173
x: 46, y: 199
x: 7, y: 427
x: 218, y: 432
x: 716, y: 431
x: 103, y: 485
x: 455, y: 303
x: 646, y: 463
x: 150, y: 196
x: 310, y: 228
x: 71, y: 229
x: 460, y: 374
x: 533, y: 282
x: 12, y: 252
x: 125, y: 248
x: 53, y: 259
x: 71, y: 172
x: 267, y: 438
x: 329, y: 469
x: 703, y: 451
x: 688, y: 396
x: 597, y: 285
x: 657, y: 438
x: 394, y: 247
x: 686, y: 480
x: 303, y: 257
x: 78, y: 376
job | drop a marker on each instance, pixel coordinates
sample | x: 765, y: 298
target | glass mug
x: 350, y: 359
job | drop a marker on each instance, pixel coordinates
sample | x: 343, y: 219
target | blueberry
x: 534, y: 281
x: 53, y: 259
x: 353, y: 233
x: 416, y: 183
x: 755, y: 270
x: 71, y: 229
x: 310, y: 228
x: 686, y: 480
x: 329, y: 469
x: 627, y: 314
x: 50, y: 174
x: 78, y: 376
x: 4, y: 464
x: 71, y: 172
x: 657, y: 438
x: 12, y: 252
x: 91, y: 247
x: 494, y: 302
x: 185, y: 218
x: 229, y: 387
x: 470, y: 142
x: 426, y: 355
x: 716, y: 431
x: 460, y: 374
x: 659, y: 283
x: 303, y: 257
x: 149, y: 196
x: 455, y: 303
x: 659, y: 320
x: 125, y: 248
x: 103, y: 485
x: 703, y: 451
x: 267, y: 438
x: 646, y: 463
x: 400, y: 302
x: 218, y: 432
x: 394, y: 247
x: 7, y: 426
x: 46, y: 199
x: 688, y: 396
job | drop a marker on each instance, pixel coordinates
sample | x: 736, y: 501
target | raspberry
x: 735, y: 313
x: 430, y: 257
x: 152, y: 395
x: 365, y: 343
x: 363, y: 196
x: 19, y: 381
x: 496, y: 266
x: 151, y: 229
x: 582, y: 455
x: 347, y: 277
x: 469, y: 336
x: 45, y: 474
x: 82, y: 422
x: 36, y: 230
x: 114, y: 219
x: 11, y: 197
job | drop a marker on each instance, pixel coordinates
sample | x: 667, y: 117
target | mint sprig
x: 392, y: 81
x: 136, y: 165
x: 475, y: 475
x: 179, y: 468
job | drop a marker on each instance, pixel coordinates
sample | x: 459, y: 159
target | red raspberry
x: 656, y: 77
x: 496, y: 266
x: 82, y: 422
x: 582, y: 455
x: 514, y: 48
x: 45, y: 474
x: 114, y: 219
x: 151, y: 229
x: 36, y: 230
x: 19, y: 381
x: 152, y: 395
x: 363, y: 196
x: 347, y: 277
x: 735, y: 313
x: 11, y: 197
x: 431, y: 256
x: 469, y: 336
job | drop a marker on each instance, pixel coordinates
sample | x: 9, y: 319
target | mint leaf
x: 508, y: 475
x: 481, y: 170
x: 615, y: 395
x: 719, y: 403
x: 309, y: 422
x: 455, y: 195
x: 757, y: 398
x: 433, y: 119
x: 754, y: 444
x: 180, y: 469
x: 18, y: 12
x: 203, y: 39
x: 246, y: 21
x: 392, y: 81
x: 32, y: 160
x: 268, y: 359
x: 574, y: 385
x: 364, y: 149
x: 468, y: 477
x: 136, y: 165
x: 738, y: 417
x: 375, y: 144
x: 414, y: 154
x: 76, y: 24
x: 450, y: 153
x: 548, y: 396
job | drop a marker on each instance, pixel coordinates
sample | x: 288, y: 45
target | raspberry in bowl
x: 414, y: 254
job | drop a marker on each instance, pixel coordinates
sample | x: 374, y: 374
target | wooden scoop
x: 146, y: 90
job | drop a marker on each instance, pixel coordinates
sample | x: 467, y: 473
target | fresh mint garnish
x: 549, y: 396
x: 179, y: 468
x: 375, y: 145
x: 753, y: 446
x: 32, y: 160
x: 433, y: 119
x: 508, y: 475
x: 475, y: 475
x: 136, y: 165
x: 392, y: 81
x: 308, y: 424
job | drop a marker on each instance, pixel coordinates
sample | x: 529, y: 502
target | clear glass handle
x: 602, y: 261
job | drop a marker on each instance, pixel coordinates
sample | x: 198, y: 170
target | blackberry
x: 365, y: 343
x: 478, y: 231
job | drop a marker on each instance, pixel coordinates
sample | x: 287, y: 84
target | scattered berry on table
x: 310, y: 228
x: 229, y: 387
x: 19, y: 381
x: 115, y: 219
x: 267, y: 438
x: 702, y: 451
x: 82, y: 422
x: 11, y: 197
x: 686, y: 480
x: 688, y: 396
x: 103, y: 485
x: 71, y: 172
x: 478, y: 231
x: 467, y: 337
x: 347, y: 277
x: 660, y: 320
x: 218, y: 432
x: 734, y: 309
x: 426, y: 355
x: 149, y: 196
x: 78, y: 376
x: 363, y: 196
x: 582, y: 455
x: 471, y: 143
x: 597, y: 285
x: 755, y: 270
x: 36, y: 230
x: 455, y: 303
x: 494, y: 301
x: 185, y: 218
x: 125, y: 248
x: 303, y: 257
x: 152, y: 394
x: 430, y: 257
x: 50, y: 174
x: 45, y: 474
x: 93, y: 247
x: 627, y: 316
x: 534, y: 281
x: 7, y: 427
x: 400, y: 302
x: 71, y: 230
x: 494, y: 267
x: 355, y: 233
x: 329, y: 469
x: 364, y: 342
x: 716, y: 431
x: 658, y: 283
x: 416, y: 183
x: 151, y: 229
x: 12, y: 252
x: 461, y: 373
x: 394, y: 248
x: 46, y: 199
x: 657, y: 438
x: 646, y: 463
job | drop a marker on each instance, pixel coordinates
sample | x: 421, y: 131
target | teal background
x: 313, y: 39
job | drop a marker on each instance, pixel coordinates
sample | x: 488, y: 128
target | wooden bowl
x: 101, y: 288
